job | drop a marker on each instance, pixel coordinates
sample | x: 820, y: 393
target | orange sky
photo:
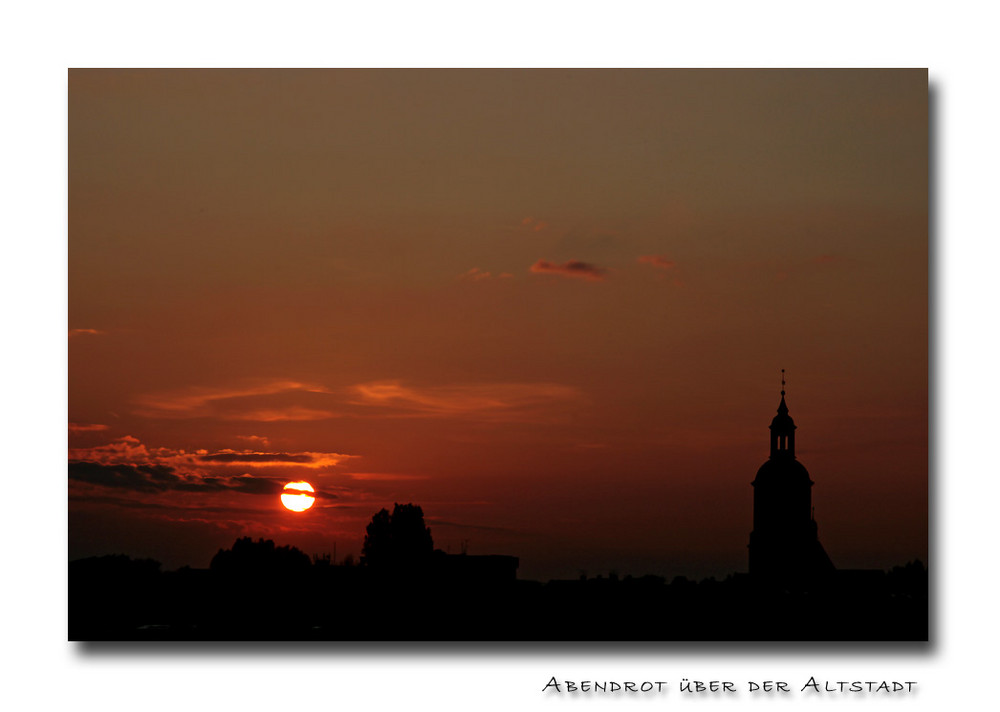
x: 550, y: 307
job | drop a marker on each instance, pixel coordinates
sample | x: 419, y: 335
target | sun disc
x: 297, y: 496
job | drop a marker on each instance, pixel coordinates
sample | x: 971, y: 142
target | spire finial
x: 782, y: 382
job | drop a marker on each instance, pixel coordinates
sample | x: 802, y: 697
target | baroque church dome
x: 781, y: 470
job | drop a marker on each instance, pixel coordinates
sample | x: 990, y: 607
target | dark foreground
x: 116, y: 598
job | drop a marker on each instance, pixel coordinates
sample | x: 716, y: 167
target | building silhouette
x: 784, y: 544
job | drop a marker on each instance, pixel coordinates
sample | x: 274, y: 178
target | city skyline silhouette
x: 403, y: 588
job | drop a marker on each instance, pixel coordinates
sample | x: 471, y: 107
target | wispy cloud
x: 270, y: 415
x: 234, y: 403
x: 573, y: 268
x: 658, y: 261
x: 474, y: 527
x: 382, y: 476
x: 86, y: 427
x: 248, y: 458
x: 474, y: 275
x: 484, y: 401
x: 153, y: 479
x: 84, y: 332
x: 131, y: 451
x: 127, y: 463
x: 129, y: 501
x: 533, y: 224
x: 126, y: 450
x: 255, y: 439
x: 477, y: 275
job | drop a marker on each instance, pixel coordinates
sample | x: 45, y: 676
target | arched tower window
x: 782, y: 432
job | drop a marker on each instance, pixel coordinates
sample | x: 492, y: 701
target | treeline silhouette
x: 404, y: 589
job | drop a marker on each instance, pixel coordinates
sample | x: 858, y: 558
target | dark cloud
x: 139, y: 478
x: 131, y: 503
x: 161, y: 478
x: 256, y: 457
x: 119, y: 501
x: 204, y: 484
x: 573, y: 268
x: 248, y: 484
x: 478, y: 527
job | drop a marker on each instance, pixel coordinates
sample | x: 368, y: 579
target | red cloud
x: 256, y: 439
x: 495, y: 402
x: 657, y: 261
x: 235, y: 403
x: 181, y: 485
x: 86, y: 427
x: 476, y: 275
x: 382, y: 476
x: 573, y: 268
x: 131, y: 451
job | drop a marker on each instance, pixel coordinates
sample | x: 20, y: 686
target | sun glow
x: 296, y: 498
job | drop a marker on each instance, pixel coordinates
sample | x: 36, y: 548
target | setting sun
x: 298, y: 502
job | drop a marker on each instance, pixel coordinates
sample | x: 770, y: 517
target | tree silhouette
x: 261, y: 556
x: 378, y: 539
x: 909, y: 580
x: 397, y: 539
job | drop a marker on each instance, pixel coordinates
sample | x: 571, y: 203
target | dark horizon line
x: 611, y: 575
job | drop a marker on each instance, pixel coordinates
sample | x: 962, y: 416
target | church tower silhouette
x: 784, y: 544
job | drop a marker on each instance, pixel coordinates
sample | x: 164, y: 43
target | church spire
x: 782, y: 428
x: 784, y: 545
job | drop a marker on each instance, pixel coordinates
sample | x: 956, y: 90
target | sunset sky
x: 550, y: 307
